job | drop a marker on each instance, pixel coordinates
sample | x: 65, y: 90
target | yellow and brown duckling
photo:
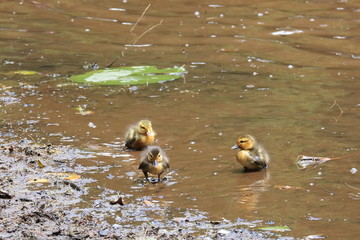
x: 154, y: 161
x: 252, y: 155
x: 139, y: 135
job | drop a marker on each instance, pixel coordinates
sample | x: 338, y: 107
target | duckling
x: 139, y: 135
x: 154, y: 161
x: 252, y: 155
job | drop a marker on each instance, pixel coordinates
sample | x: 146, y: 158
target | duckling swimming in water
x: 139, y: 135
x: 154, y: 161
x: 252, y: 155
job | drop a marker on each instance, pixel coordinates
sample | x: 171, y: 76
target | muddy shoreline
x: 41, y: 193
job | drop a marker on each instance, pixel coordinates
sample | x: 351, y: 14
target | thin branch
x: 109, y: 65
x: 137, y: 39
x: 351, y: 186
x: 140, y: 17
x: 341, y: 111
x: 333, y: 104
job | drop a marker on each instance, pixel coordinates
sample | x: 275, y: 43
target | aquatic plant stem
x: 140, y: 17
x: 341, y: 111
x: 352, y: 186
x: 156, y: 25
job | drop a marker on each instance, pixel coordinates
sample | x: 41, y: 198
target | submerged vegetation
x: 136, y: 75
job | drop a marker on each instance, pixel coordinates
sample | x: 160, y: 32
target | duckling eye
x: 142, y: 127
x: 243, y: 141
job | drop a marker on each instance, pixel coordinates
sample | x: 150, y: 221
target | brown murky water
x: 270, y: 68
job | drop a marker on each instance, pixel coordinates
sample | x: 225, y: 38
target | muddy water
x: 286, y: 72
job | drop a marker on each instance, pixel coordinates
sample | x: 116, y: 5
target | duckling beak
x: 155, y: 163
x: 235, y: 146
x: 149, y: 133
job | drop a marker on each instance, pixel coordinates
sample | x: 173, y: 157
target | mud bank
x: 41, y: 198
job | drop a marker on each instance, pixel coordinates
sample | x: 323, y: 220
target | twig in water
x: 108, y: 66
x: 351, y: 186
x: 333, y: 104
x: 140, y: 17
x: 156, y: 25
x: 341, y: 111
x: 181, y: 67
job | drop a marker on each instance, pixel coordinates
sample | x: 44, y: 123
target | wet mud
x: 41, y: 194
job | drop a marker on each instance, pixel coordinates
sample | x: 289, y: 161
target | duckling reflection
x: 251, y: 187
x: 139, y: 135
x: 252, y: 155
x: 154, y: 161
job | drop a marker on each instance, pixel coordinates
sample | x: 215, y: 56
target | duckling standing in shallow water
x: 154, y: 161
x: 252, y: 155
x: 139, y: 135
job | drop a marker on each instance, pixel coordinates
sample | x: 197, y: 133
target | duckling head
x: 145, y: 128
x: 246, y: 142
x: 154, y: 156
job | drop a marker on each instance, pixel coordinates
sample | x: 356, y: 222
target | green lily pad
x: 135, y: 75
x: 276, y: 228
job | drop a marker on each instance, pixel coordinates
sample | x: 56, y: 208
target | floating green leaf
x: 130, y: 75
x: 23, y: 72
x: 276, y: 228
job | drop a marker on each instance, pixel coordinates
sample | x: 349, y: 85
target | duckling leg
x: 159, y: 179
x: 146, y: 176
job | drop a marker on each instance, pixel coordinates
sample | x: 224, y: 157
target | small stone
x: 116, y: 225
x: 223, y: 232
x: 180, y: 219
x: 103, y: 232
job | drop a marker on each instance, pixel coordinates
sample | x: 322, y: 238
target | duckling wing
x: 130, y: 136
x: 129, y: 143
x: 259, y: 160
x: 261, y: 164
x: 144, y: 166
x: 166, y: 165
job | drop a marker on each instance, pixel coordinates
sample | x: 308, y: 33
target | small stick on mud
x: 10, y: 149
x: 72, y: 185
x: 119, y: 201
x: 4, y: 195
